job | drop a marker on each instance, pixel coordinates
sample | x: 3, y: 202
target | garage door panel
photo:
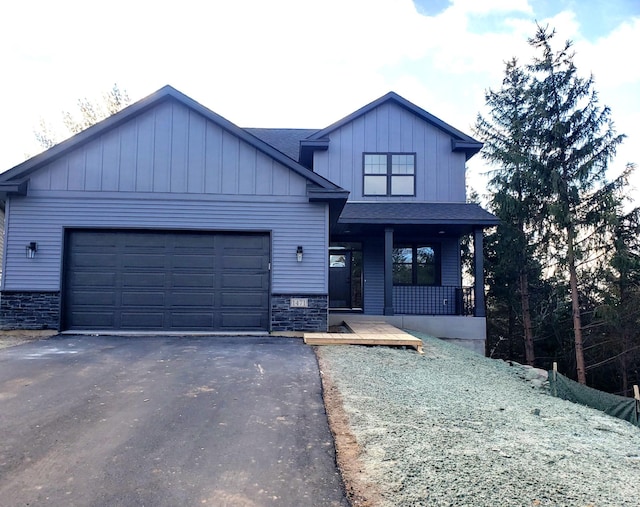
x: 142, y: 320
x: 148, y: 240
x: 147, y: 261
x: 249, y: 300
x: 192, y: 242
x: 192, y: 320
x: 243, y: 262
x: 166, y: 280
x: 94, y: 320
x: 235, y: 321
x: 183, y: 280
x: 136, y: 299
x: 143, y: 279
x: 86, y: 279
x: 191, y: 299
x: 92, y: 259
x: 251, y: 281
x: 202, y: 261
x: 94, y: 240
x: 93, y: 298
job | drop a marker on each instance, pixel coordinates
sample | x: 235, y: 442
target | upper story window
x: 390, y: 174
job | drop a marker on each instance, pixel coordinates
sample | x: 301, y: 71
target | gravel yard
x: 454, y: 428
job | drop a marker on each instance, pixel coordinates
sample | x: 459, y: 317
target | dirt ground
x: 12, y: 338
x: 360, y: 491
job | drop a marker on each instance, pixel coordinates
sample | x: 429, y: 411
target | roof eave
x: 308, y: 147
x: 336, y: 199
x: 469, y: 148
x: 16, y: 188
x: 379, y: 221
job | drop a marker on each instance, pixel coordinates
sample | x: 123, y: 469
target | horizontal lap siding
x: 450, y: 255
x: 373, y: 271
x: 291, y: 223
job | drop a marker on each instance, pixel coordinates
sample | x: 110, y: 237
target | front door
x: 340, y: 279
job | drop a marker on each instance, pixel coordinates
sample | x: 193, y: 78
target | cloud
x: 285, y: 63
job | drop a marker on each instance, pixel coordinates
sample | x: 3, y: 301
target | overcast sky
x: 299, y: 63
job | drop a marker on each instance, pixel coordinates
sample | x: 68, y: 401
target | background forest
x: 563, y: 267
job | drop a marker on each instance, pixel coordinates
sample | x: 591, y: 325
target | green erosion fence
x: 612, y: 404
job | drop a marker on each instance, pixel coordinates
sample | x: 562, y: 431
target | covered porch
x: 403, y: 261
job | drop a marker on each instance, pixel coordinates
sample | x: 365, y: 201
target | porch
x: 402, y: 261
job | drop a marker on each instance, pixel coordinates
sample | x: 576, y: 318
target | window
x: 416, y: 264
x: 389, y: 174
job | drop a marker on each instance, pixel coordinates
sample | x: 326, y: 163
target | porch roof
x: 419, y: 213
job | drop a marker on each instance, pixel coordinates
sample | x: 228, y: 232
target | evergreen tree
x: 574, y: 142
x: 618, y: 312
x: 507, y: 134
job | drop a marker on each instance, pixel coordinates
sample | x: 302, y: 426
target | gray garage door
x: 177, y: 281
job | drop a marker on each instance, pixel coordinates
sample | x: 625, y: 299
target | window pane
x: 402, y: 274
x: 375, y: 164
x: 337, y: 261
x: 425, y: 254
x: 402, y: 185
x: 426, y: 274
x: 402, y: 265
x: 403, y: 164
x: 375, y: 185
x: 403, y: 255
x: 426, y: 265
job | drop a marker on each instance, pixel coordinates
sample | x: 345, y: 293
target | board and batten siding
x: 169, y: 149
x: 440, y: 173
x: 43, y: 219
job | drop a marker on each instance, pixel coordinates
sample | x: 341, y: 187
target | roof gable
x: 459, y: 140
x: 19, y: 173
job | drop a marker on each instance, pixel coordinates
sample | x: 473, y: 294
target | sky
x: 303, y: 64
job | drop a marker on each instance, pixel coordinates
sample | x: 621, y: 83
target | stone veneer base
x: 41, y: 310
x: 29, y: 310
x: 313, y: 318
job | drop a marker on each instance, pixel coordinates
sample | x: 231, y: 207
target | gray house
x: 168, y: 217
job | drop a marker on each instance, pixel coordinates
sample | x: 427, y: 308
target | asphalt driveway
x: 164, y: 421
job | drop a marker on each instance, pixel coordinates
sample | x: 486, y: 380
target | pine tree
x: 574, y: 142
x: 507, y: 134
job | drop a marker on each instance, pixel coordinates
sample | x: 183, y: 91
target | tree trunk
x: 575, y: 306
x: 624, y: 364
x: 510, y: 330
x: 529, y: 353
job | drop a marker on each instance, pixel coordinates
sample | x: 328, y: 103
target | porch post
x: 388, y: 271
x: 478, y: 265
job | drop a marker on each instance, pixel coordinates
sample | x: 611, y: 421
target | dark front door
x: 340, y: 279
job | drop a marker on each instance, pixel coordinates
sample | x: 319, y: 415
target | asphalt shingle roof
x: 286, y: 141
x: 416, y: 213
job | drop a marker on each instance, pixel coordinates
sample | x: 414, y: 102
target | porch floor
x: 366, y: 333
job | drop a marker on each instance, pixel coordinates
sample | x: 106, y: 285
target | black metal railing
x: 433, y: 300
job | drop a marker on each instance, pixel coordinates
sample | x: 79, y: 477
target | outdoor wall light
x: 32, y: 248
x: 299, y: 254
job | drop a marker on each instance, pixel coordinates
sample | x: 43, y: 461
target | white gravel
x: 454, y: 428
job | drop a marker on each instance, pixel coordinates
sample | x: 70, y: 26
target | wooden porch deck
x: 366, y: 333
